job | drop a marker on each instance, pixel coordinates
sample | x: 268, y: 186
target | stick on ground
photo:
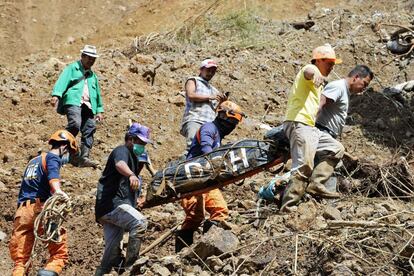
x: 163, y: 237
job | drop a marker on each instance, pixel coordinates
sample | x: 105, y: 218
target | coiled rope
x: 48, y: 223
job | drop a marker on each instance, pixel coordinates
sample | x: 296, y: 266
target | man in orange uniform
x: 41, y: 179
x: 207, y: 138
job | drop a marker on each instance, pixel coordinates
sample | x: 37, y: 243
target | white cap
x: 89, y: 50
x: 208, y: 63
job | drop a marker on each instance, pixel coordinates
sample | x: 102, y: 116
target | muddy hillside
x: 147, y: 50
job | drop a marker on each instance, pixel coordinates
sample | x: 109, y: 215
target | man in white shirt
x: 334, y: 102
x: 333, y: 110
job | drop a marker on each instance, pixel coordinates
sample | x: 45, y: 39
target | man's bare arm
x: 324, y: 101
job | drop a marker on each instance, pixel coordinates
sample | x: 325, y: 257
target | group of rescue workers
x: 316, y: 114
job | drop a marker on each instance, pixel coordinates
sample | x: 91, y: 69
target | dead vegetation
x: 393, y: 179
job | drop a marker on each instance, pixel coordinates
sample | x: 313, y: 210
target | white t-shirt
x: 333, y: 115
x: 85, y: 95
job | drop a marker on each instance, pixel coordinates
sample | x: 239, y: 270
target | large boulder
x: 215, y: 242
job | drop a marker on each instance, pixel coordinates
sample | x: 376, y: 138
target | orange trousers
x: 213, y: 202
x: 22, y: 240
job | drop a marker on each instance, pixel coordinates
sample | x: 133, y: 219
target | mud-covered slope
x: 259, y: 55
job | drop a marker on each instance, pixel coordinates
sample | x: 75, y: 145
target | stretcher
x: 224, y: 165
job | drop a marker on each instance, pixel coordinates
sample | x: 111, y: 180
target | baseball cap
x: 140, y: 131
x: 325, y: 52
x: 208, y: 63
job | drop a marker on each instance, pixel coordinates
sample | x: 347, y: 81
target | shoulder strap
x: 134, y: 164
x: 43, y: 156
x: 198, y: 135
x: 200, y: 79
x: 73, y: 83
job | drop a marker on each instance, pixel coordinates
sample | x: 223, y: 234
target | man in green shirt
x: 78, y: 90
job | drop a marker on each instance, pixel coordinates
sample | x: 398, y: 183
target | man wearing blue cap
x: 117, y: 194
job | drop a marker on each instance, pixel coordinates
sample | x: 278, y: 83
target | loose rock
x: 160, y: 270
x: 3, y: 187
x: 332, y: 213
x: 3, y: 236
x: 15, y: 100
x: 8, y: 157
x: 215, y: 242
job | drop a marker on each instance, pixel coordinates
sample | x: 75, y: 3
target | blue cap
x: 140, y: 131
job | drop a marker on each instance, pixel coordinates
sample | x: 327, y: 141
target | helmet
x: 232, y: 110
x: 325, y: 52
x: 64, y: 136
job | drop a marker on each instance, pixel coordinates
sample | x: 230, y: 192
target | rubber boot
x: 293, y: 192
x: 84, y: 158
x: 320, y: 175
x: 208, y: 224
x: 115, y: 261
x: 222, y: 224
x: 74, y: 159
x: 119, y: 268
x: 187, y: 236
x: 44, y: 272
x: 132, y: 252
x: 100, y: 271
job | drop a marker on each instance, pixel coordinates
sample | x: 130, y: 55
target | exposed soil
x: 259, y: 54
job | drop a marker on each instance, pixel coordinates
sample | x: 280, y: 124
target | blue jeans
x: 123, y: 218
x: 81, y: 118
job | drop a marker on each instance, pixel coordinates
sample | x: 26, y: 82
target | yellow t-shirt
x: 303, y: 100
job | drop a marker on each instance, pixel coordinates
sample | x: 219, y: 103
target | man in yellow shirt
x: 306, y: 140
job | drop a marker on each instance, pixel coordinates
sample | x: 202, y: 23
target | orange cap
x: 325, y: 52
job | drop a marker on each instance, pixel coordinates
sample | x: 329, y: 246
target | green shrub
x: 239, y: 28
